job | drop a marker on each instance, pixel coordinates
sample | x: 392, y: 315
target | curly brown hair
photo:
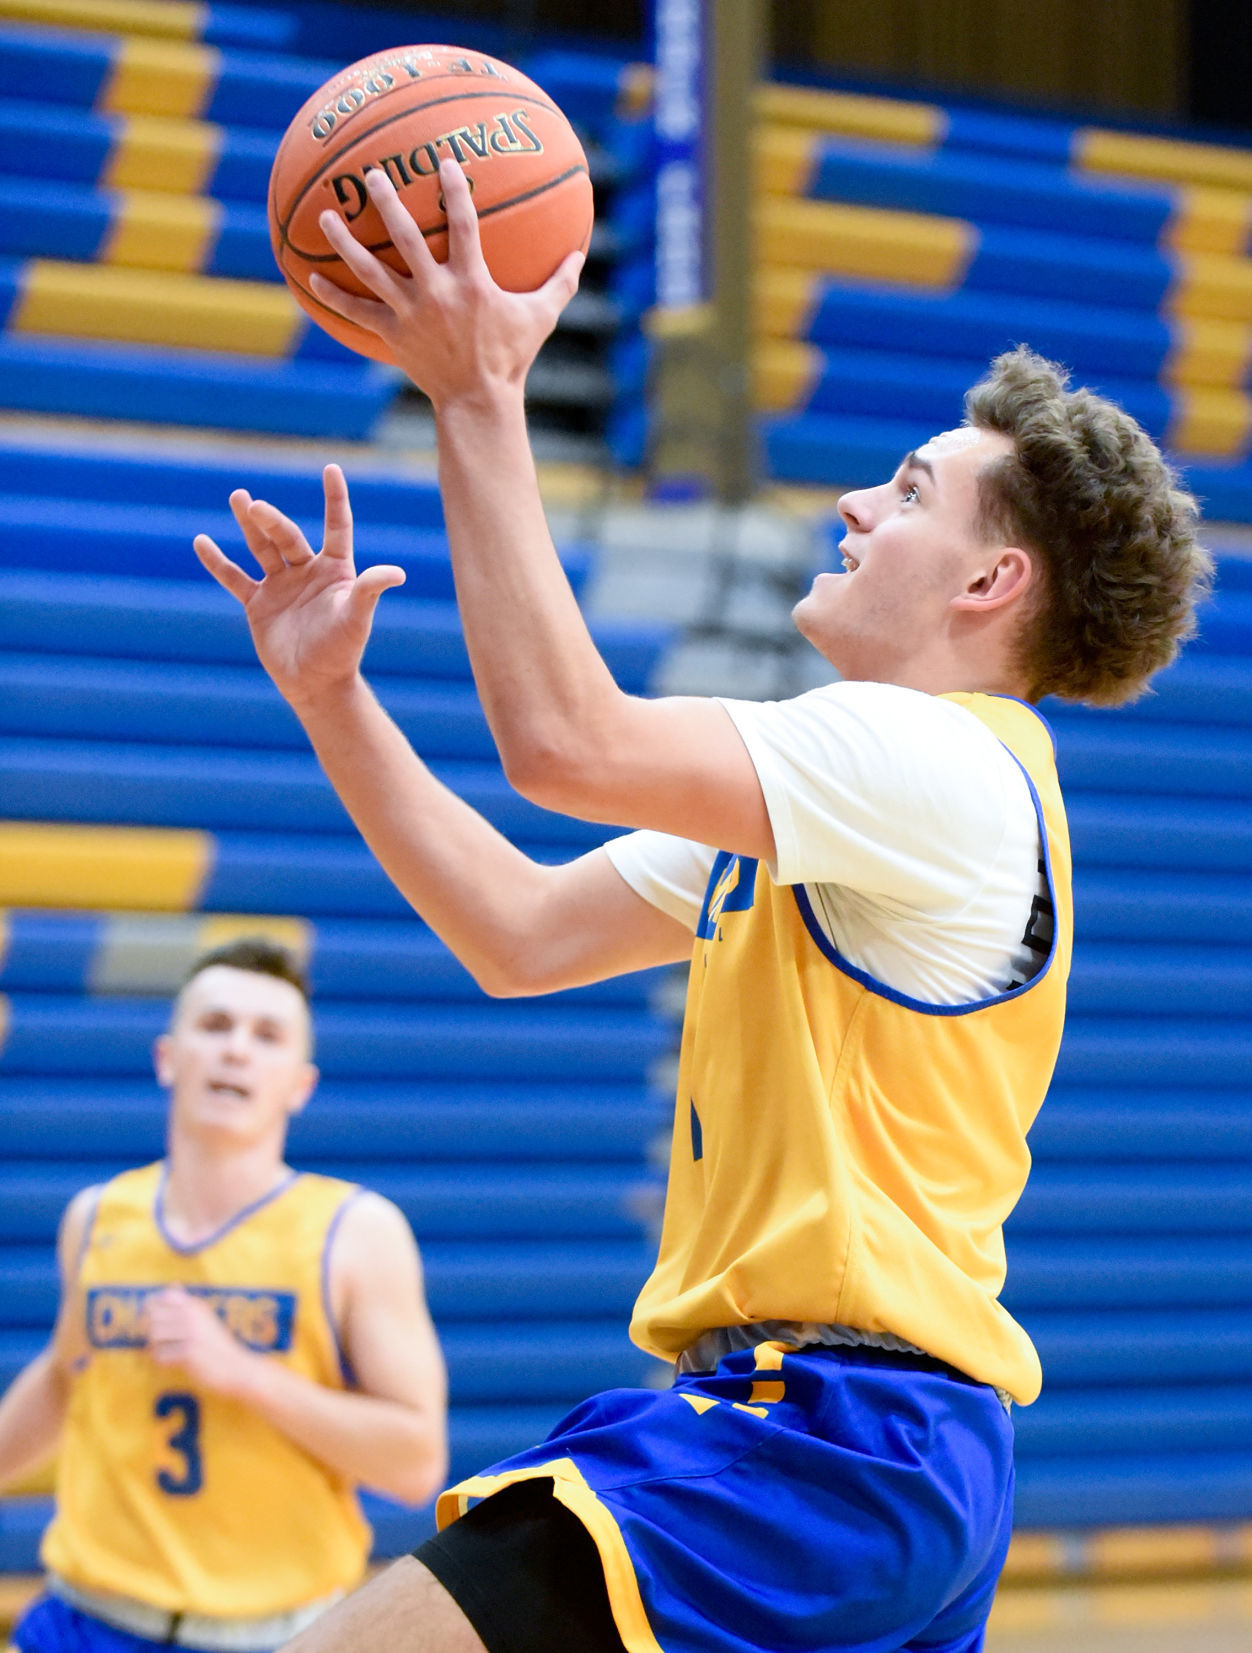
x: 1089, y: 492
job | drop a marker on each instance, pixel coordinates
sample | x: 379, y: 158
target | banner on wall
x: 680, y: 53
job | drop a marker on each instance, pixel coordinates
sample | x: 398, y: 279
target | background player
x: 239, y: 1346
x: 876, y: 1000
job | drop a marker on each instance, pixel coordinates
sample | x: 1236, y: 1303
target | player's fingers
x: 562, y: 284
x: 405, y: 236
x: 370, y: 586
x: 255, y: 537
x: 282, y: 535
x: 337, y: 524
x: 363, y: 312
x: 360, y: 260
x: 229, y: 575
x: 465, y: 250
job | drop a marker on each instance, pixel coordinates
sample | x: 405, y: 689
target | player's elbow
x: 524, y: 974
x: 556, y: 774
x: 420, y: 1474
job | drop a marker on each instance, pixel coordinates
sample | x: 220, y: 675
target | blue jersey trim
x: 158, y: 1214
x: 873, y: 985
x: 332, y: 1228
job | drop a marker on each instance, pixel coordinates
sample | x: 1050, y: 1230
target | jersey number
x: 184, y: 1409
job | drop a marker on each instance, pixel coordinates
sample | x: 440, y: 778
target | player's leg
x: 517, y: 1574
x: 405, y: 1610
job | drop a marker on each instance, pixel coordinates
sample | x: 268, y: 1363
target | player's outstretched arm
x: 568, y: 737
x: 32, y: 1412
x: 517, y: 926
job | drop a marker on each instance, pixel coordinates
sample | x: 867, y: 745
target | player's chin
x: 808, y: 614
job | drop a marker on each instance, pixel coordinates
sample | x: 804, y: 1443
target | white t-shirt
x: 910, y: 826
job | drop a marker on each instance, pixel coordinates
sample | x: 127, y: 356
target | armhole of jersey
x: 827, y: 946
x: 84, y: 1240
x: 328, y: 1309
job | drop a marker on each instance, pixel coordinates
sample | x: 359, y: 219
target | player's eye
x: 911, y: 495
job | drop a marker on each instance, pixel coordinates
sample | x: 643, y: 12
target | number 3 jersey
x: 177, y: 1496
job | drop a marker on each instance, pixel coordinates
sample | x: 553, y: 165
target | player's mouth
x: 227, y: 1087
x: 850, y: 563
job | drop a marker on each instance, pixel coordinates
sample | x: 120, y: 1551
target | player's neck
x: 205, y: 1188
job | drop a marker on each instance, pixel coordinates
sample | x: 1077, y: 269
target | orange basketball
x: 404, y: 111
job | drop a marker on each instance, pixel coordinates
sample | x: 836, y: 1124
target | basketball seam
x: 342, y: 319
x: 442, y: 229
x: 411, y: 109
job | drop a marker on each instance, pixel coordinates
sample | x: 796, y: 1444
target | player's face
x: 236, y: 1057
x: 910, y: 546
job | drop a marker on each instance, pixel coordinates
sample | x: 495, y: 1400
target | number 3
x: 185, y: 1440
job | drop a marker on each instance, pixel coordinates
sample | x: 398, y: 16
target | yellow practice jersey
x: 844, y: 1154
x: 177, y: 1496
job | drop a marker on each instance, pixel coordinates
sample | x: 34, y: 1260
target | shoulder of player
x: 876, y: 719
x: 368, y: 1231
x: 75, y: 1227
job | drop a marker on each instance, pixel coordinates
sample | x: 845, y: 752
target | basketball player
x: 872, y: 884
x: 239, y: 1346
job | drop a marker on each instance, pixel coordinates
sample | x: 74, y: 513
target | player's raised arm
x: 568, y: 737
x: 519, y: 927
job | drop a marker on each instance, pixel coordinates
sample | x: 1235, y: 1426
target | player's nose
x: 856, y: 508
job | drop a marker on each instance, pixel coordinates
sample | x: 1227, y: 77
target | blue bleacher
x: 1124, y: 256
x: 513, y: 1136
x: 130, y: 700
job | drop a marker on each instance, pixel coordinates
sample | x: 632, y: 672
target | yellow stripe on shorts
x: 102, y: 301
x: 161, y: 232
x: 160, y: 77
x: 52, y: 864
x: 910, y: 249
x: 176, y: 157
x: 172, y: 19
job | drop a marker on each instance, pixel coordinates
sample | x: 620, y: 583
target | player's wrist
x: 325, y: 699
x: 246, y: 1379
x: 476, y: 405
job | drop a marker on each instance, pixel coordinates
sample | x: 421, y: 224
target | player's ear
x: 163, y: 1061
x: 1005, y: 577
x: 303, y: 1090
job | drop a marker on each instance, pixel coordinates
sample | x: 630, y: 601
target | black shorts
x: 526, y: 1574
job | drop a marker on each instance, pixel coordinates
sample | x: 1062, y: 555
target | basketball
x: 404, y: 111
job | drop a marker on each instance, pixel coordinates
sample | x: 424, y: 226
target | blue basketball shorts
x: 50, y: 1625
x: 823, y: 1500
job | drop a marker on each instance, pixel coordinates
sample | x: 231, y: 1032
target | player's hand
x: 185, y: 1332
x: 310, y: 614
x: 451, y: 329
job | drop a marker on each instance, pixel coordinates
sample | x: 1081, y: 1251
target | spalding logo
x: 505, y: 135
